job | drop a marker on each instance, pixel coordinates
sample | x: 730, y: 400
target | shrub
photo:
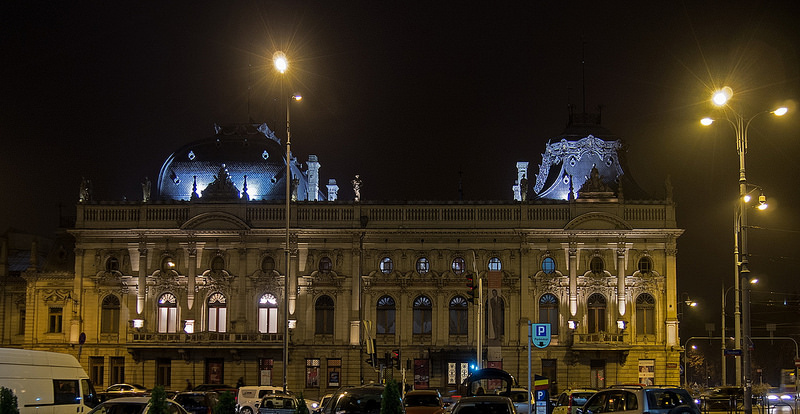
x: 158, y: 401
x: 390, y: 400
x: 226, y: 404
x: 8, y: 401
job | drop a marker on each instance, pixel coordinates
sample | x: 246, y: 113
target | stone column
x: 192, y: 274
x: 355, y: 294
x: 244, y: 299
x: 76, y: 303
x: 621, y: 250
x: 142, y: 286
x: 671, y: 252
x: 573, y: 278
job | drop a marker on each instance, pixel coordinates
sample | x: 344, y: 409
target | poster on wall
x: 647, y: 371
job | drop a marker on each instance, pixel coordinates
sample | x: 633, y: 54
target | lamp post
x: 281, y: 65
x: 740, y: 125
x: 736, y: 329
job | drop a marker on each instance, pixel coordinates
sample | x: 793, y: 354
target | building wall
x: 120, y: 246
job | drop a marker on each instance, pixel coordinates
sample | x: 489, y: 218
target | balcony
x: 204, y: 339
x: 599, y: 341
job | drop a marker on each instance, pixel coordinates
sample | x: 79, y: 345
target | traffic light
x: 396, y: 358
x: 472, y: 288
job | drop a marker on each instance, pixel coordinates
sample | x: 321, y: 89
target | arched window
x: 386, y: 315
x: 458, y: 316
x: 217, y: 264
x: 112, y: 264
x: 495, y: 264
x: 386, y: 265
x: 423, y: 309
x: 458, y: 265
x: 268, y: 265
x: 645, y: 265
x: 645, y: 314
x: 423, y: 265
x: 217, y: 313
x: 548, y: 265
x: 325, y: 265
x: 167, y: 264
x: 323, y: 310
x: 167, y: 313
x: 596, y: 308
x: 548, y: 311
x: 268, y: 314
x: 596, y: 265
x: 109, y: 315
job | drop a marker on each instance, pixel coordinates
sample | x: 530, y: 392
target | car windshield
x: 359, y: 403
x: 423, y: 400
x: 191, y: 400
x: 579, y: 398
x: 278, y: 402
x: 119, y: 408
x: 668, y: 399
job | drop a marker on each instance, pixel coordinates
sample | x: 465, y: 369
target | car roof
x: 414, y: 392
x: 487, y: 398
x: 128, y: 400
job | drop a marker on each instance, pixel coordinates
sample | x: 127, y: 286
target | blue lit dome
x: 238, y: 157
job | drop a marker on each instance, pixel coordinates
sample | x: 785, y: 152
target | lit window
x: 217, y: 313
x: 325, y: 265
x: 268, y: 314
x: 423, y: 265
x: 167, y: 313
x: 458, y: 265
x: 386, y: 265
x: 548, y: 265
x: 495, y: 264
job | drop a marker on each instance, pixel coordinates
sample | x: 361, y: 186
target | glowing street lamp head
x: 781, y: 111
x: 297, y: 97
x: 722, y: 96
x: 280, y: 61
x: 706, y: 121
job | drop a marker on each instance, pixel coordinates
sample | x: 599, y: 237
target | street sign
x: 733, y: 352
x: 797, y: 363
x: 541, y: 334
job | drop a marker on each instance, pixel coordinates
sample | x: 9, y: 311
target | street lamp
x: 740, y: 125
x: 281, y: 65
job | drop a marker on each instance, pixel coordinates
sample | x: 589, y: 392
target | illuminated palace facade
x: 190, y: 283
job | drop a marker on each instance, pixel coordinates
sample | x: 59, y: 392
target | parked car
x: 569, y: 401
x: 197, y: 402
x: 522, y: 400
x: 249, y: 397
x: 123, y: 390
x: 278, y: 404
x: 133, y: 405
x: 423, y: 402
x: 322, y: 403
x: 777, y: 397
x: 365, y: 399
x: 483, y: 404
x: 637, y: 399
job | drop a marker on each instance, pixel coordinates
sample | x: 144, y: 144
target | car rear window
x: 579, y: 398
x: 668, y: 399
x: 422, y: 401
x: 483, y: 408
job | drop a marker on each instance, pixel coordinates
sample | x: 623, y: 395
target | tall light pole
x: 281, y: 65
x: 740, y: 124
x: 723, y: 348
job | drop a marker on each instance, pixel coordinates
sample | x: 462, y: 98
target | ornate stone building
x: 190, y: 284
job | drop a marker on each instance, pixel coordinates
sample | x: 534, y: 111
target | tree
x: 8, y: 401
x: 226, y: 404
x: 158, y: 401
x: 390, y: 399
x: 302, y: 408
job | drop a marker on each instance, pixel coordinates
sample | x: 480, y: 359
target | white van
x: 250, y: 397
x: 46, y: 382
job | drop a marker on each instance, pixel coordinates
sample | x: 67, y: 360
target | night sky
x: 412, y: 96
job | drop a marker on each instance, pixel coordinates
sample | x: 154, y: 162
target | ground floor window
x: 457, y: 372
x: 97, y: 369
x: 549, y: 370
x: 597, y: 373
x: 117, y: 370
x: 265, y: 371
x: 312, y: 373
x: 215, y: 370
x: 422, y: 374
x: 334, y: 372
x: 163, y: 372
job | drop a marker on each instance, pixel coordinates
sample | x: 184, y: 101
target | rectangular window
x: 550, y: 370
x: 21, y: 330
x: 215, y: 370
x: 312, y: 373
x: 56, y: 319
x: 597, y: 373
x: 117, y: 369
x: 422, y: 374
x: 97, y: 369
x: 647, y: 371
x: 109, y: 320
x: 163, y: 372
x: 334, y: 372
x: 265, y: 371
x: 268, y: 320
x: 168, y: 320
x: 645, y: 320
x: 457, y: 372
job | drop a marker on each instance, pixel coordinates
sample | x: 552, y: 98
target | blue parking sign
x: 540, y: 335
